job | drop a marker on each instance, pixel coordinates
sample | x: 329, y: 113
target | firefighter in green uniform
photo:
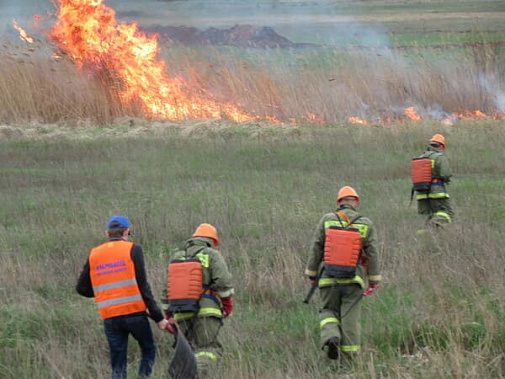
x: 342, y: 290
x: 214, y: 300
x: 435, y: 202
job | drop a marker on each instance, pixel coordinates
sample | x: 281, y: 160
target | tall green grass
x: 438, y: 315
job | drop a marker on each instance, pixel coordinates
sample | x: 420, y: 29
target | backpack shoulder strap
x: 354, y: 220
x: 342, y: 215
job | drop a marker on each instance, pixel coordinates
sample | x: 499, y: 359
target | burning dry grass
x: 100, y: 69
x: 296, y: 86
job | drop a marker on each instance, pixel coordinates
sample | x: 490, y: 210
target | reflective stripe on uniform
x: 326, y: 282
x: 363, y: 228
x: 103, y: 287
x: 433, y: 195
x: 310, y: 273
x: 341, y: 224
x: 203, y: 258
x: 206, y: 354
x: 350, y: 348
x: 329, y: 320
x: 112, y: 274
x: 226, y: 293
x: 210, y: 312
x: 202, y: 312
x: 443, y: 214
x: 119, y: 300
x: 375, y: 278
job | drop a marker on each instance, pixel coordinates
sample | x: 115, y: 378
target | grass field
x: 341, y: 23
x: 72, y: 154
x: 438, y: 315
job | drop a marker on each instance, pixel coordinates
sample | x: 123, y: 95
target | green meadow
x: 439, y: 313
x: 72, y: 155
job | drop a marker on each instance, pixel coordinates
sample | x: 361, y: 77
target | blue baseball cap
x: 117, y: 222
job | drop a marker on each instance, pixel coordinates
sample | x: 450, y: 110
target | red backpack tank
x: 184, y: 285
x: 342, y: 248
x: 420, y: 172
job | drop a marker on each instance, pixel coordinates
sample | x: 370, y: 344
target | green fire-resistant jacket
x: 216, y: 277
x: 368, y: 238
x: 440, y: 171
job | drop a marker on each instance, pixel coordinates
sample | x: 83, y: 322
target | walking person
x: 115, y: 276
x: 199, y: 296
x: 431, y: 173
x: 344, y: 263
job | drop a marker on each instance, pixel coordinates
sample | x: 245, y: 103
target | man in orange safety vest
x: 115, y: 276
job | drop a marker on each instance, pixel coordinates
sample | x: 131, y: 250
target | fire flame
x: 411, y: 113
x: 313, y: 118
x: 88, y: 32
x: 357, y: 120
x: 22, y: 33
x: 126, y: 58
x: 468, y: 114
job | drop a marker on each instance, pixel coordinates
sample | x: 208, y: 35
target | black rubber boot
x: 333, y: 346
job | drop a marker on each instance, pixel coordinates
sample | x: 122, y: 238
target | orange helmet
x: 207, y: 230
x: 347, y: 192
x: 439, y: 138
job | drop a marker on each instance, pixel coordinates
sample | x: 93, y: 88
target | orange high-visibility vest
x: 184, y: 285
x: 420, y: 172
x: 342, y: 248
x: 113, y: 279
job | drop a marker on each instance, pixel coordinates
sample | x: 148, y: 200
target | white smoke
x: 496, y: 89
x: 22, y: 11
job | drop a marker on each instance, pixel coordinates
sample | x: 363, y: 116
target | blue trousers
x: 117, y: 330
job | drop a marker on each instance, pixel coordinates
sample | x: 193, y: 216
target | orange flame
x: 412, y: 114
x: 273, y: 120
x: 22, y: 33
x: 471, y: 115
x: 88, y: 32
x: 357, y: 120
x: 313, y: 118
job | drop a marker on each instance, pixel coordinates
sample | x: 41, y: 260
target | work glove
x: 227, y: 306
x: 171, y: 328
x: 312, y: 280
x: 372, y: 288
x: 162, y: 325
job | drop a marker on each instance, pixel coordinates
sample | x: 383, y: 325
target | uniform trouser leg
x: 203, y: 336
x: 338, y: 301
x: 351, y: 325
x: 423, y: 207
x: 442, y: 212
x: 329, y: 315
x: 439, y: 211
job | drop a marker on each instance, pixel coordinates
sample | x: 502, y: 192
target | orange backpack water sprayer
x: 184, y: 285
x: 342, y: 250
x: 420, y: 171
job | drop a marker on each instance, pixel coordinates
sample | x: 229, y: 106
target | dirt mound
x: 238, y: 35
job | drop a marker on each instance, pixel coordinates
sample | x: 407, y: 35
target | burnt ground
x: 238, y: 36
